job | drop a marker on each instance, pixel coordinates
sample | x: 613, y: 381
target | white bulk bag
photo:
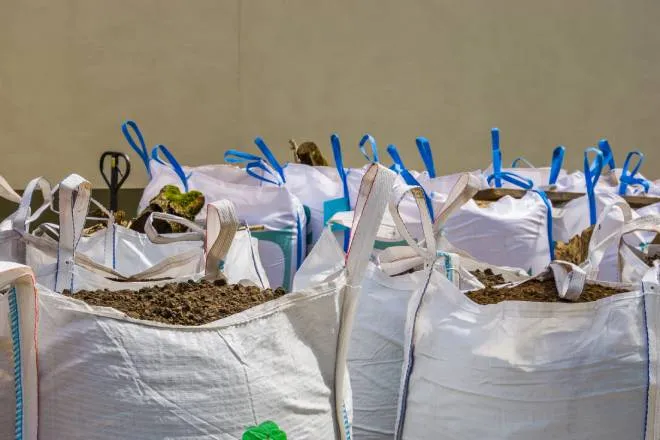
x: 106, y: 376
x: 60, y: 264
x: 273, y: 206
x: 508, y: 232
x: 18, y: 353
x: 375, y: 354
x: 522, y: 370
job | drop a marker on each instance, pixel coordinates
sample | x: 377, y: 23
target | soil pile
x: 188, y: 303
x: 576, y: 250
x: 488, y: 278
x: 538, y: 291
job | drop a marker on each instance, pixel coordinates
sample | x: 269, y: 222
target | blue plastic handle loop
x: 518, y: 159
x: 343, y: 175
x: 267, y: 171
x: 140, y: 149
x: 374, y: 149
x: 339, y: 163
x: 608, y: 155
x: 236, y: 157
x: 424, y: 148
x: 498, y: 175
x: 548, y: 205
x: 592, y: 171
x: 497, y: 156
x: 514, y: 179
x: 173, y: 163
x: 270, y: 157
x: 401, y: 169
x: 556, y: 163
x: 628, y: 176
x: 268, y: 163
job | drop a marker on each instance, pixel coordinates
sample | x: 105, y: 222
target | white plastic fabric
x: 525, y: 370
x: 18, y: 353
x: 105, y: 376
x: 281, y: 243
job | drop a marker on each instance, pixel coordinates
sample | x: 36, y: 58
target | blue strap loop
x: 592, y: 171
x: 267, y: 171
x: 628, y: 176
x: 172, y: 163
x: 401, y: 169
x: 498, y: 175
x: 548, y: 205
x: 235, y: 157
x: 556, y: 164
x: 268, y: 164
x: 343, y: 175
x: 339, y: 163
x: 374, y: 149
x: 270, y: 157
x: 140, y: 149
x: 608, y: 155
x: 424, y: 147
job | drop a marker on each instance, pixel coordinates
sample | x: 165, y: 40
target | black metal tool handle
x: 117, y: 176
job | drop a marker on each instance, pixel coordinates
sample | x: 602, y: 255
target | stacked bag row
x: 378, y: 338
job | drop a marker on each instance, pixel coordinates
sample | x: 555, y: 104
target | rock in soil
x: 488, y: 278
x: 538, y: 291
x: 576, y: 250
x: 188, y: 303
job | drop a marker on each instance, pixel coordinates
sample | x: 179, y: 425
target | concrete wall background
x: 203, y: 76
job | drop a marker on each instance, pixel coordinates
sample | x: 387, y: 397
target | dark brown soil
x: 191, y: 303
x: 537, y: 291
x: 488, y: 278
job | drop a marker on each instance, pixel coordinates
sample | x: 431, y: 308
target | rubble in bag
x: 537, y: 290
x: 187, y: 303
x: 488, y: 278
x: 308, y: 153
x: 576, y: 249
x: 169, y: 200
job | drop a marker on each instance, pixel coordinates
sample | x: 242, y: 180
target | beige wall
x: 202, y: 76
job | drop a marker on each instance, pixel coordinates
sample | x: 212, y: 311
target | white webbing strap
x: 221, y: 226
x: 7, y: 192
x: 23, y: 215
x: 465, y: 188
x: 372, y: 199
x: 74, y: 196
x: 396, y: 260
x: 427, y: 252
x: 569, y: 279
x: 196, y: 233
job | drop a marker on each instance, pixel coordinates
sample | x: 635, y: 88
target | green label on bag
x: 332, y: 207
x: 266, y: 431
